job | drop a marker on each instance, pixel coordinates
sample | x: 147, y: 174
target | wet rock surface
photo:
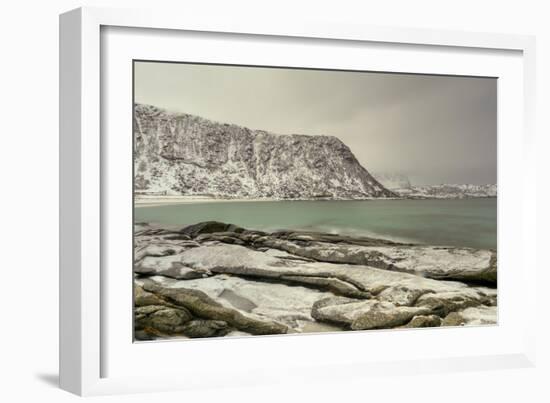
x: 216, y: 279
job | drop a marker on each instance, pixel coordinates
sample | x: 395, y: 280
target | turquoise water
x: 467, y: 222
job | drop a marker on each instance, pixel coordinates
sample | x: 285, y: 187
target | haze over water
x: 456, y: 222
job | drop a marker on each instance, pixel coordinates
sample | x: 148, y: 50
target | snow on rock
x: 152, y: 265
x: 448, y: 191
x: 430, y: 261
x: 302, y: 282
x: 290, y: 305
x: 393, y: 180
x: 182, y: 154
x: 473, y: 316
x: 201, y: 307
x: 400, y: 184
x: 364, y: 315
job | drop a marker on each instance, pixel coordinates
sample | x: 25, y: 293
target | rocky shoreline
x: 215, y: 279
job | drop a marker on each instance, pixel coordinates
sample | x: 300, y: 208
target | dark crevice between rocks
x: 471, y: 282
x: 291, y: 281
x: 294, y: 281
x: 300, y: 279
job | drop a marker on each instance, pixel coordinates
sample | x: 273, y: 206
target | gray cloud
x: 436, y: 129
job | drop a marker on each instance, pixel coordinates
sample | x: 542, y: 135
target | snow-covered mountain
x: 392, y: 180
x: 446, y: 191
x: 182, y: 154
x: 399, y: 183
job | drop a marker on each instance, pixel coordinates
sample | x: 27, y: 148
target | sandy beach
x: 151, y: 201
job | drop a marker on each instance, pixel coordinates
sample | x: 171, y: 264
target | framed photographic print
x: 241, y: 232
x: 298, y: 196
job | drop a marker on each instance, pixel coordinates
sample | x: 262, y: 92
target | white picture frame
x: 87, y: 312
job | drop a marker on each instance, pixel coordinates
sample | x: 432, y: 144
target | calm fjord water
x: 466, y: 222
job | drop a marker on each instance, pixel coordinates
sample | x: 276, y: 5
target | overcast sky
x: 435, y: 129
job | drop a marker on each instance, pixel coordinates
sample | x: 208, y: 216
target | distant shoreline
x: 156, y: 201
x: 153, y: 201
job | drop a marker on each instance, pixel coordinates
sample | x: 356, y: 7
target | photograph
x: 286, y: 200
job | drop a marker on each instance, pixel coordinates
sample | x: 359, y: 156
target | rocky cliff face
x: 181, y: 154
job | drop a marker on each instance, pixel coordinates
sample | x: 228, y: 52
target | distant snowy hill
x: 446, y: 191
x: 392, y: 180
x: 400, y: 184
x: 182, y: 154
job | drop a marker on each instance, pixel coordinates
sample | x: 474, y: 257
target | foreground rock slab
x: 451, y: 263
x: 200, y: 305
x: 216, y: 279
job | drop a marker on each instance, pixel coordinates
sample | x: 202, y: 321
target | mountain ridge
x: 183, y: 154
